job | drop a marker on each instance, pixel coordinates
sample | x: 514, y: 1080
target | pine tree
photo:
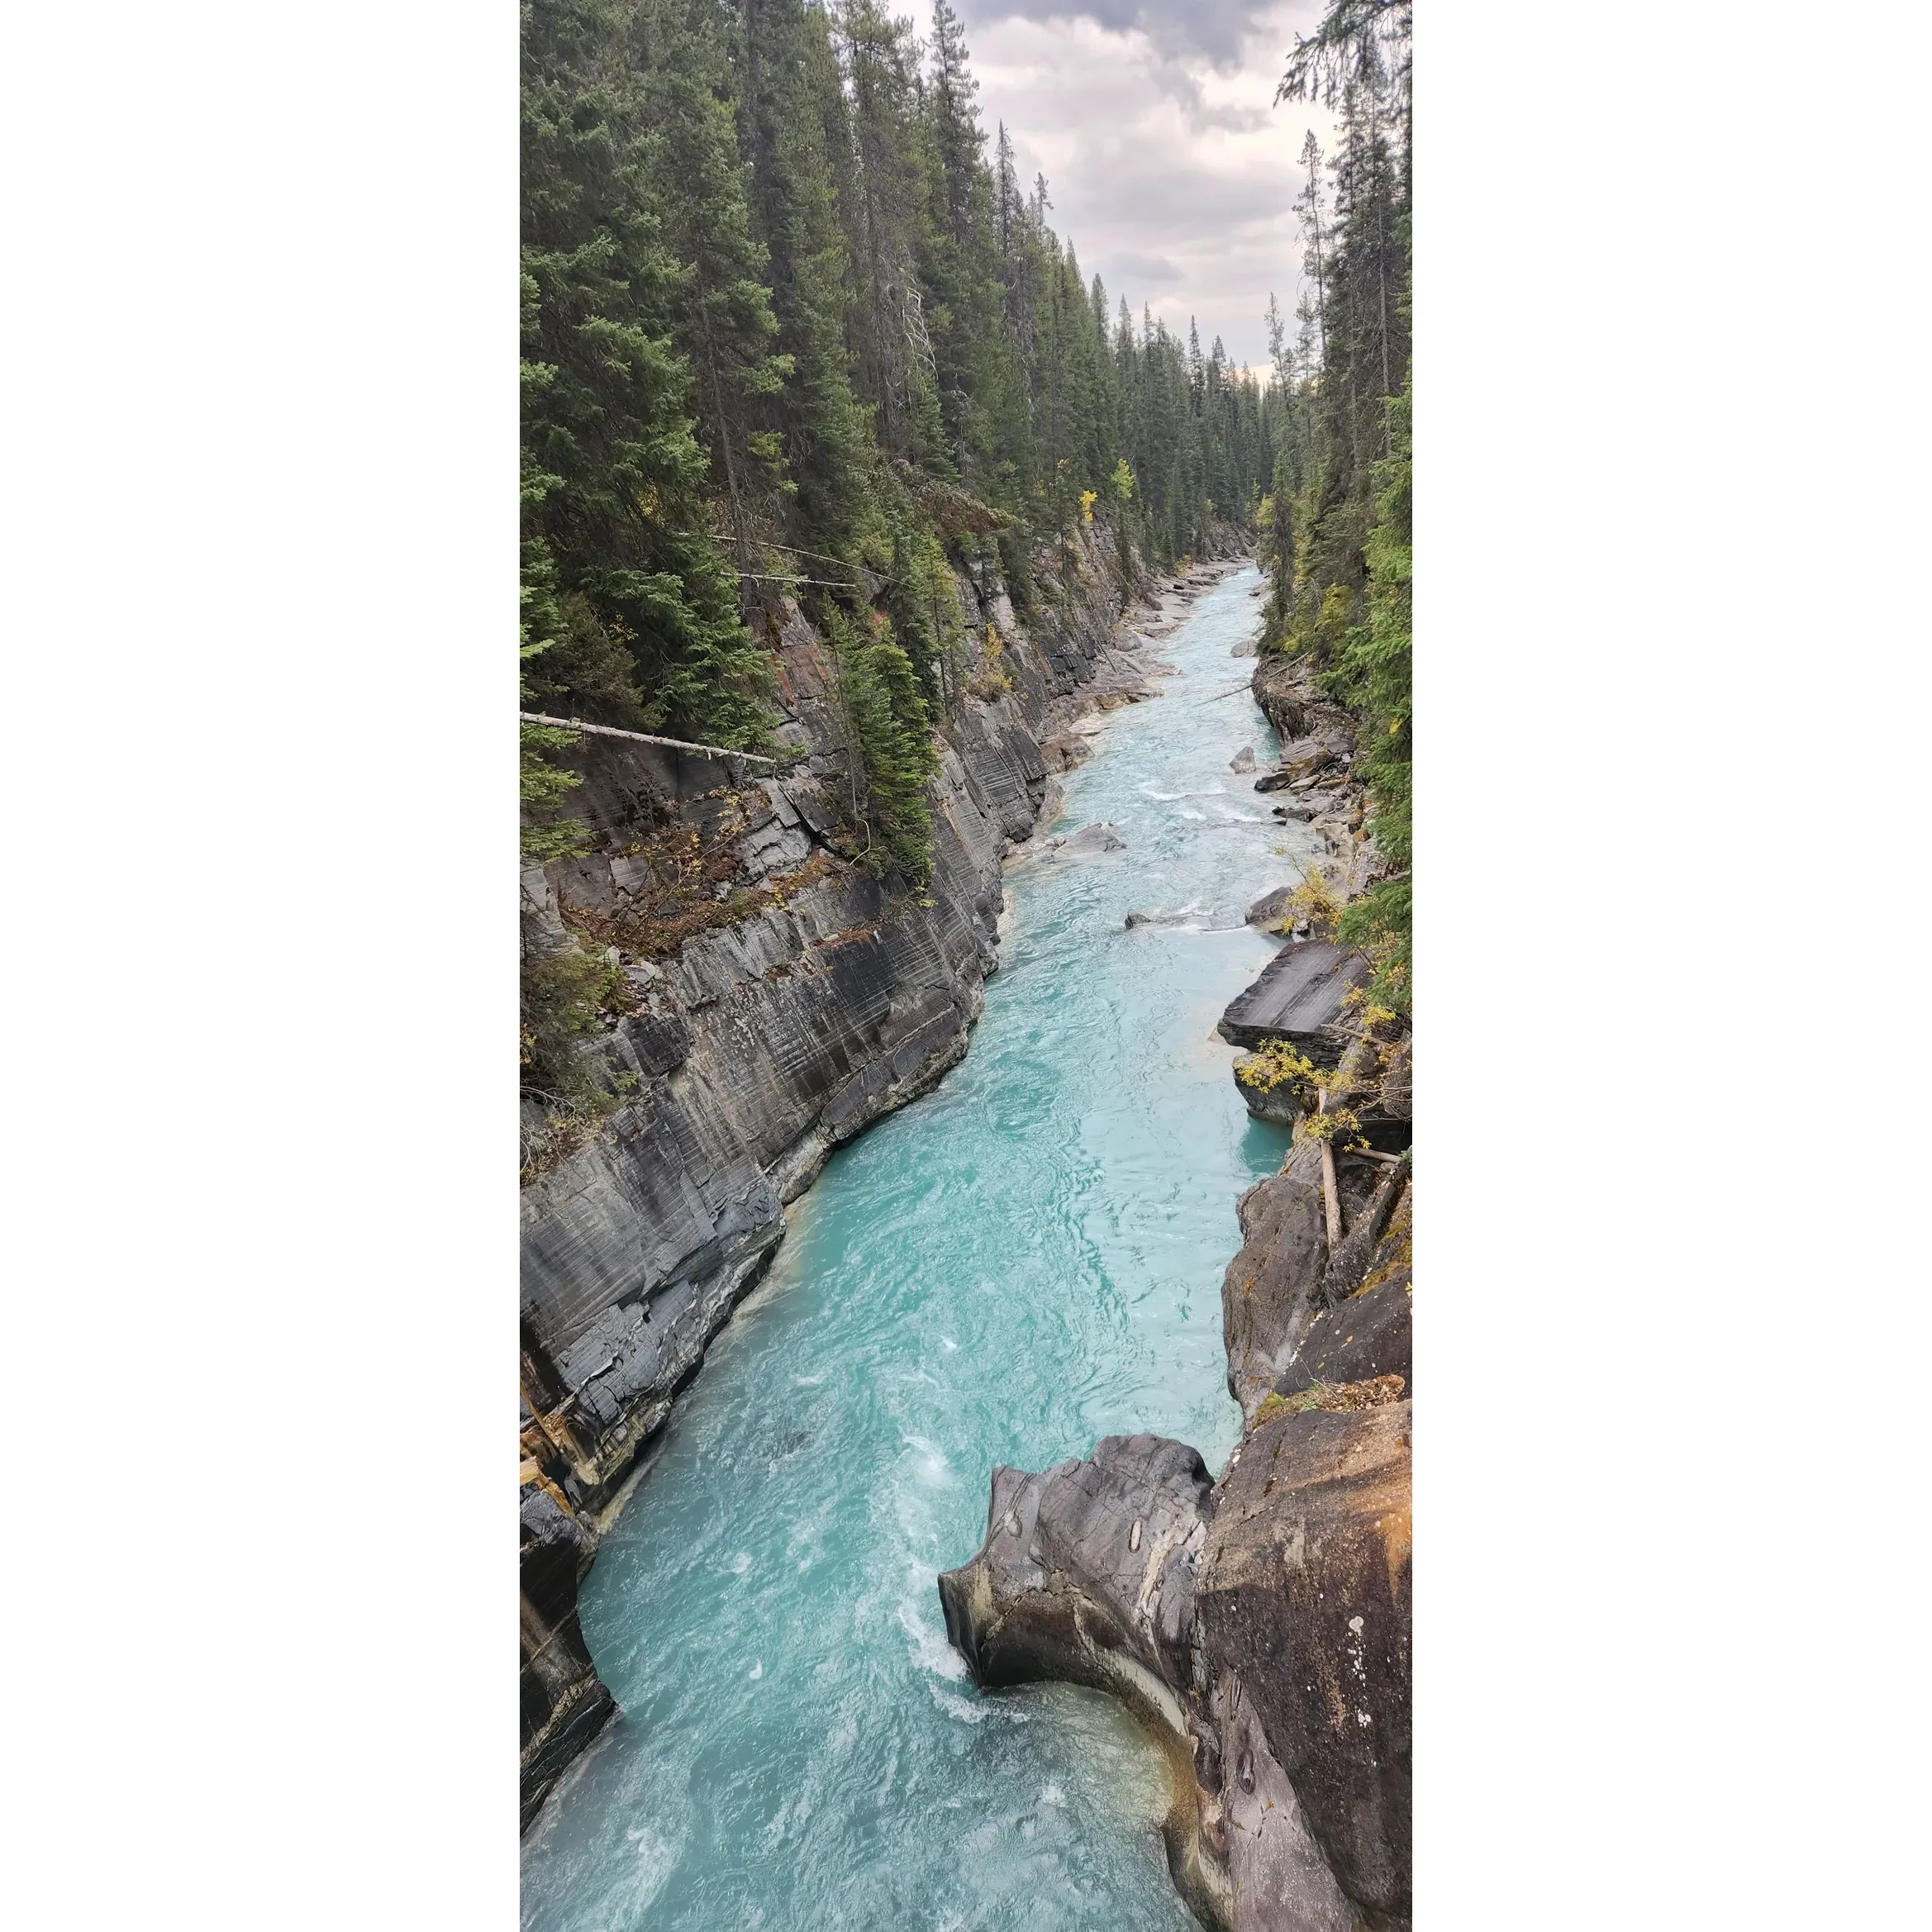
x: 620, y: 567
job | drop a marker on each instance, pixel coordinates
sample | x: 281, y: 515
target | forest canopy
x: 793, y: 325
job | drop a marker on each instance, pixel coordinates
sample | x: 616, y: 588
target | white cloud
x: 1167, y: 164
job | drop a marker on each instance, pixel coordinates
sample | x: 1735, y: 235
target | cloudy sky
x: 1165, y: 162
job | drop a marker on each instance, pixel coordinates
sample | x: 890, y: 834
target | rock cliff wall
x: 782, y: 996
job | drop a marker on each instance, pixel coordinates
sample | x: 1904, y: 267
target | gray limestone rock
x: 1269, y: 909
x: 1089, y: 842
x: 1243, y: 760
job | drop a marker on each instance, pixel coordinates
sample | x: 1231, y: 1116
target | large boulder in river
x: 1087, y: 1575
x: 1257, y: 1627
x: 1276, y: 911
x: 1086, y: 1568
x: 1243, y: 760
x: 1089, y: 842
x: 1303, y: 1596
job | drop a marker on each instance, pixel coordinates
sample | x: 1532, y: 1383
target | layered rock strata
x: 782, y: 996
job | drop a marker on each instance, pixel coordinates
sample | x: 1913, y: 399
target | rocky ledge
x: 1259, y: 1627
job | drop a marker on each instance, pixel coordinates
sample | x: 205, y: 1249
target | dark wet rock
x: 1364, y: 1337
x: 564, y: 1702
x: 1269, y: 1291
x: 1280, y: 1105
x: 1243, y: 760
x: 1303, y: 1595
x: 1275, y: 781
x: 1303, y: 813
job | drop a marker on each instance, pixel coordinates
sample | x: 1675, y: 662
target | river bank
x: 781, y: 1004
x: 1258, y: 1625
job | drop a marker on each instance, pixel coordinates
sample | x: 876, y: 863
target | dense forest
x: 1336, y: 521
x: 791, y: 329
x: 794, y: 331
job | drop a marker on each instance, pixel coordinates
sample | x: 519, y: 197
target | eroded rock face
x: 1259, y: 1627
x: 1267, y: 1290
x: 766, y: 1039
x: 1086, y: 1576
x: 564, y: 1702
x: 1088, y: 1571
x: 1303, y: 1595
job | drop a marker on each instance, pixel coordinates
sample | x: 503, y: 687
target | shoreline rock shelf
x: 1299, y: 997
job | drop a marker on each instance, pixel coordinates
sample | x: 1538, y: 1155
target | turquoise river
x: 1027, y: 1259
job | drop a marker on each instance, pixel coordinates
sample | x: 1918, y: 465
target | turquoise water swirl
x: 1028, y: 1258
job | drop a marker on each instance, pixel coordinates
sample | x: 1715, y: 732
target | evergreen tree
x: 635, y: 607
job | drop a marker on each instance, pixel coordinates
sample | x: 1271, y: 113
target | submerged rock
x: 1089, y: 842
x: 1134, y: 919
